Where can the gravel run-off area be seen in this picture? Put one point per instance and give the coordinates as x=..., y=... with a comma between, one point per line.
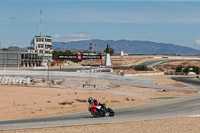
x=18, y=102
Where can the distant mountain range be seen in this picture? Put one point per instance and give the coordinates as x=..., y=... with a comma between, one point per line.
x=15, y=48
x=130, y=47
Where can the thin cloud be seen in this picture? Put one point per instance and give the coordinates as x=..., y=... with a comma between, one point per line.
x=71, y=37
x=197, y=42
x=75, y=40
x=56, y=36
x=195, y=45
x=149, y=34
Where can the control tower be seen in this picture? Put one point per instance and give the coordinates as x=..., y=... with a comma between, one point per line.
x=42, y=45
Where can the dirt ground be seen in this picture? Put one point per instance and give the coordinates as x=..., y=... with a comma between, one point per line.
x=25, y=102
x=18, y=102
x=164, y=80
x=171, y=66
x=185, y=63
x=173, y=125
x=43, y=100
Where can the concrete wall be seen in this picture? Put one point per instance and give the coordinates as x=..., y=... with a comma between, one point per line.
x=10, y=59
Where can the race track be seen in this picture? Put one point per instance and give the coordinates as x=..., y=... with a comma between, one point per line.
x=178, y=107
x=189, y=81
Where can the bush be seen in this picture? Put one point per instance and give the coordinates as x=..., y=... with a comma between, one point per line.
x=195, y=69
x=187, y=69
x=179, y=69
x=142, y=68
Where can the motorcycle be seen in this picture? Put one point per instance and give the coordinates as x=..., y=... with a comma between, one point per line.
x=100, y=110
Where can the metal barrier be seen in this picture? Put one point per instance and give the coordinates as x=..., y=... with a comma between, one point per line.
x=175, y=73
x=15, y=80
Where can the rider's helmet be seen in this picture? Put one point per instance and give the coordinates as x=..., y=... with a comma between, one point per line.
x=90, y=100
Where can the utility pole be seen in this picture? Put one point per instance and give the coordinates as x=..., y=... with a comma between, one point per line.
x=18, y=63
x=48, y=64
x=91, y=50
x=4, y=63
x=65, y=46
x=153, y=51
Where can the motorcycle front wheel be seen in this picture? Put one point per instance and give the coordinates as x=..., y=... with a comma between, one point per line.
x=111, y=112
x=95, y=114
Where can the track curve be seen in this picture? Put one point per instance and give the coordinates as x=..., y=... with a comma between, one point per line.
x=190, y=81
x=178, y=107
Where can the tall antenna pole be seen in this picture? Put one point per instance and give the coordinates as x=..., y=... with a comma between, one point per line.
x=40, y=21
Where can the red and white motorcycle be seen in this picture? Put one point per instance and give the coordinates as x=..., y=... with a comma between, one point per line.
x=100, y=110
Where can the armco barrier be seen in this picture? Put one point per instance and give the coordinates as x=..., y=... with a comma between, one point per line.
x=175, y=73
x=140, y=74
x=97, y=70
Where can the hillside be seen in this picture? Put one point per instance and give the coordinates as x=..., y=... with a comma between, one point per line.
x=131, y=47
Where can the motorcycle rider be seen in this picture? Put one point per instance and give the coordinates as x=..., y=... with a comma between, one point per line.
x=94, y=101
x=101, y=112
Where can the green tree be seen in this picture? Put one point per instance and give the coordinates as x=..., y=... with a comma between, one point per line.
x=4, y=49
x=179, y=68
x=195, y=69
x=142, y=68
x=109, y=50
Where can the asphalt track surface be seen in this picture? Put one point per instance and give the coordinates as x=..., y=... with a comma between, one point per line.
x=153, y=63
x=190, y=81
x=178, y=107
x=157, y=62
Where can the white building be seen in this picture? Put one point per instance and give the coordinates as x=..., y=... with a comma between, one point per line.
x=123, y=54
x=43, y=46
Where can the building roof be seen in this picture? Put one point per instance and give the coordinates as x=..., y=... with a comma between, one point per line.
x=43, y=36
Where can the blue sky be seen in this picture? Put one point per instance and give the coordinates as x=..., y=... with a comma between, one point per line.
x=172, y=21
